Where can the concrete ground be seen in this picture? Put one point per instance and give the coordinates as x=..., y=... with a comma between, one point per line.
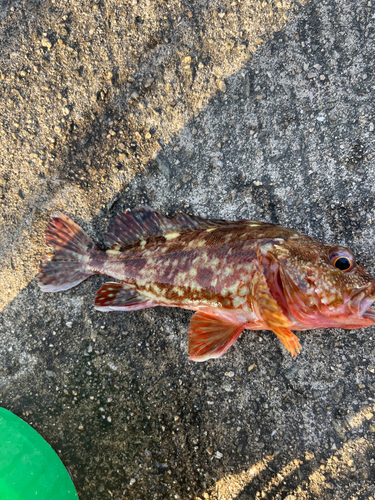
x=229, y=109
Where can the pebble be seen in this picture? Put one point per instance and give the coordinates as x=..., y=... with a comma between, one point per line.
x=46, y=43
x=69, y=324
x=190, y=14
x=66, y=111
x=221, y=86
x=134, y=95
x=371, y=127
x=251, y=367
x=219, y=455
x=229, y=374
x=149, y=82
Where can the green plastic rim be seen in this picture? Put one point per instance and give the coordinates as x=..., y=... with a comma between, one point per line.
x=29, y=468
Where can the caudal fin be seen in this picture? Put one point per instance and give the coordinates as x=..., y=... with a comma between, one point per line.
x=68, y=266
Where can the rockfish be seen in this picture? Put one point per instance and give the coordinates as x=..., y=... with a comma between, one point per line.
x=236, y=275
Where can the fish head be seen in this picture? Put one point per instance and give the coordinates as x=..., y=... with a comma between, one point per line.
x=321, y=285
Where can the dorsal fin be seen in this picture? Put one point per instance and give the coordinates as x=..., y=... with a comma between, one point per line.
x=141, y=222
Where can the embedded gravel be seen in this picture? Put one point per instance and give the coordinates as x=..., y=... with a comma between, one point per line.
x=229, y=109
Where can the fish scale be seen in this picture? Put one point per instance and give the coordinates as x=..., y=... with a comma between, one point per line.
x=236, y=275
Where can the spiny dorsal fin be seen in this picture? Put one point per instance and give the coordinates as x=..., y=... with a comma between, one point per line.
x=141, y=222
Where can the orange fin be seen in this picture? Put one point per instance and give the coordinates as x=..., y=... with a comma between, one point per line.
x=118, y=297
x=290, y=341
x=269, y=310
x=211, y=336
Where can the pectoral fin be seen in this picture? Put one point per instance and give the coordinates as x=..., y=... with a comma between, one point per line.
x=290, y=341
x=211, y=336
x=271, y=313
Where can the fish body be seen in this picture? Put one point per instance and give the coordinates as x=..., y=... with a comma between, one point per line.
x=236, y=275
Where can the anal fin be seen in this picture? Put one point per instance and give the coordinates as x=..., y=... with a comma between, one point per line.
x=118, y=297
x=210, y=336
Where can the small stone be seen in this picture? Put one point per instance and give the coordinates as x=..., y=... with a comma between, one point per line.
x=46, y=43
x=209, y=451
x=69, y=324
x=134, y=95
x=66, y=111
x=258, y=183
x=322, y=78
x=148, y=135
x=311, y=75
x=372, y=428
x=132, y=481
x=251, y=367
x=190, y=14
x=187, y=59
x=149, y=82
x=50, y=374
x=221, y=86
x=194, y=131
x=219, y=455
x=229, y=374
x=81, y=427
x=371, y=127
x=109, y=419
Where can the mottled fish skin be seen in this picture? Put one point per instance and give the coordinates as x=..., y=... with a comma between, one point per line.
x=235, y=274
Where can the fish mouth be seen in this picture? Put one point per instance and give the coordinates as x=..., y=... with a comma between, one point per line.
x=364, y=302
x=370, y=311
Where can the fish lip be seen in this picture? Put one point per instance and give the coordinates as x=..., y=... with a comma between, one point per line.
x=365, y=306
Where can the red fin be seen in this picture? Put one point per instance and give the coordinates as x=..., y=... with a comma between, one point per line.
x=290, y=341
x=68, y=266
x=269, y=310
x=211, y=336
x=141, y=222
x=115, y=296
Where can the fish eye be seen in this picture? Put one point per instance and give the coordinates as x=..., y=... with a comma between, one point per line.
x=342, y=259
x=342, y=263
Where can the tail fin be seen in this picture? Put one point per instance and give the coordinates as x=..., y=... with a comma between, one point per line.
x=69, y=265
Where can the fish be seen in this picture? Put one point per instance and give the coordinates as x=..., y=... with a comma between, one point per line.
x=235, y=275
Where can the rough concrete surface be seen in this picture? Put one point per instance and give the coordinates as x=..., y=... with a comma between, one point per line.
x=229, y=109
